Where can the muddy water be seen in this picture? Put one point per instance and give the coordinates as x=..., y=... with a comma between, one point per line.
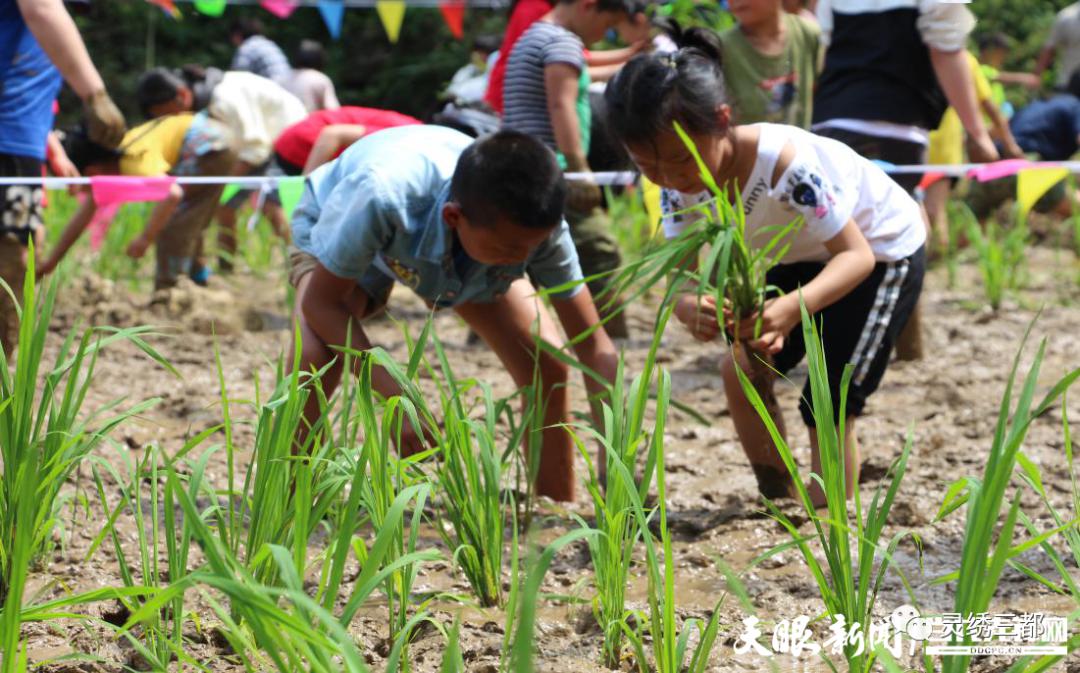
x=948, y=403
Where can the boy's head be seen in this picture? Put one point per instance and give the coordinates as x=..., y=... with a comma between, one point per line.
x=592, y=19
x=483, y=47
x=993, y=48
x=162, y=92
x=89, y=157
x=754, y=12
x=506, y=197
x=242, y=29
x=310, y=55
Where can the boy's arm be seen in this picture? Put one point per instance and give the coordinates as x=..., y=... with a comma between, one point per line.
x=578, y=314
x=163, y=210
x=332, y=139
x=561, y=86
x=1001, y=130
x=71, y=233
x=1025, y=79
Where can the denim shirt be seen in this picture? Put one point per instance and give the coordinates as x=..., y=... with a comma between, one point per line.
x=379, y=206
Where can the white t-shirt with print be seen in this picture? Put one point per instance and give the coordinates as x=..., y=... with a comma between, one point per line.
x=827, y=184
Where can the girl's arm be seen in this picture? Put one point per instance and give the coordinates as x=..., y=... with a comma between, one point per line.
x=332, y=139
x=851, y=261
x=158, y=218
x=71, y=233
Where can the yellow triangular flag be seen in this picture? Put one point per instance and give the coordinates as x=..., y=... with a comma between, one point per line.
x=391, y=13
x=1032, y=183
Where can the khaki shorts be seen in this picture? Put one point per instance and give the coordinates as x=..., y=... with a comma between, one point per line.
x=375, y=285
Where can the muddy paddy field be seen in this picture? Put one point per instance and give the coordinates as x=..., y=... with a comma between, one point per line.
x=948, y=402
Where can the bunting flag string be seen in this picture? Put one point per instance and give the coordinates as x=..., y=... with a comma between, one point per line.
x=210, y=7
x=167, y=6
x=392, y=14
x=290, y=189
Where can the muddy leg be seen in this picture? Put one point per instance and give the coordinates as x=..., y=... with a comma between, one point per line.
x=773, y=478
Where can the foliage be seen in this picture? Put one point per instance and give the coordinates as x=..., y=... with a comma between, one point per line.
x=125, y=38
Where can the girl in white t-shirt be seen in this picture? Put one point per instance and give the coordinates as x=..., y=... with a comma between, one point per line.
x=858, y=257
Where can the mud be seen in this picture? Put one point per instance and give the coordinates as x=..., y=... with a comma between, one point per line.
x=947, y=404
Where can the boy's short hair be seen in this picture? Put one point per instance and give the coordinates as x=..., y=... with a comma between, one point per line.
x=994, y=41
x=246, y=27
x=84, y=152
x=509, y=174
x=311, y=55
x=157, y=86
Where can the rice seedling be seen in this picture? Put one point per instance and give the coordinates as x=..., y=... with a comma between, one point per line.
x=670, y=644
x=1000, y=257
x=520, y=656
x=855, y=572
x=45, y=433
x=474, y=505
x=983, y=560
x=630, y=220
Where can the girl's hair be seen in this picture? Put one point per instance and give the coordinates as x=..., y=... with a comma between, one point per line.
x=654, y=90
x=161, y=85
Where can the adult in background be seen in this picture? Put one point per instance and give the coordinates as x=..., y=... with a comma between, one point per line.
x=1062, y=45
x=39, y=46
x=890, y=72
x=257, y=53
x=308, y=81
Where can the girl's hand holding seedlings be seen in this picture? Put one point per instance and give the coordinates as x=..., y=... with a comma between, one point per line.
x=700, y=316
x=778, y=318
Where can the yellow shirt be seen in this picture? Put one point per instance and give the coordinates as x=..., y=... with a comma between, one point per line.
x=947, y=142
x=153, y=148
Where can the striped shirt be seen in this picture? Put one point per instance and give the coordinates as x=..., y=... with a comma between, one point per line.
x=525, y=97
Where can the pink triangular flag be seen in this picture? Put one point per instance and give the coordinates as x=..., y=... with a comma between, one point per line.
x=279, y=8
x=110, y=189
x=998, y=169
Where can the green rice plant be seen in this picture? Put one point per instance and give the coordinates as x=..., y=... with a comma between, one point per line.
x=1000, y=257
x=624, y=438
x=45, y=433
x=521, y=655
x=161, y=636
x=857, y=556
x=983, y=560
x=670, y=644
x=474, y=507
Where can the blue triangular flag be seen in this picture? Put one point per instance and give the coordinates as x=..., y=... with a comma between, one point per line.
x=333, y=11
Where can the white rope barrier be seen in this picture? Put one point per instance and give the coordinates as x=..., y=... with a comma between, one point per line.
x=600, y=178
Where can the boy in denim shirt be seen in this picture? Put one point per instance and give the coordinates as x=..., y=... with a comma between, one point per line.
x=460, y=223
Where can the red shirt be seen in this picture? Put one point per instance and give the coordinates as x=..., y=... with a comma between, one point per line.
x=525, y=14
x=295, y=143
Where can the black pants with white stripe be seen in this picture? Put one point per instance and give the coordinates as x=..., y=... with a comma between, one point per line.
x=860, y=328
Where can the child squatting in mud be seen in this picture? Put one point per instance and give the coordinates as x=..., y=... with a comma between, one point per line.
x=858, y=257
x=459, y=222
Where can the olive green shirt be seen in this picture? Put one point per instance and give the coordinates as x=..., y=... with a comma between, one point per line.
x=776, y=89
